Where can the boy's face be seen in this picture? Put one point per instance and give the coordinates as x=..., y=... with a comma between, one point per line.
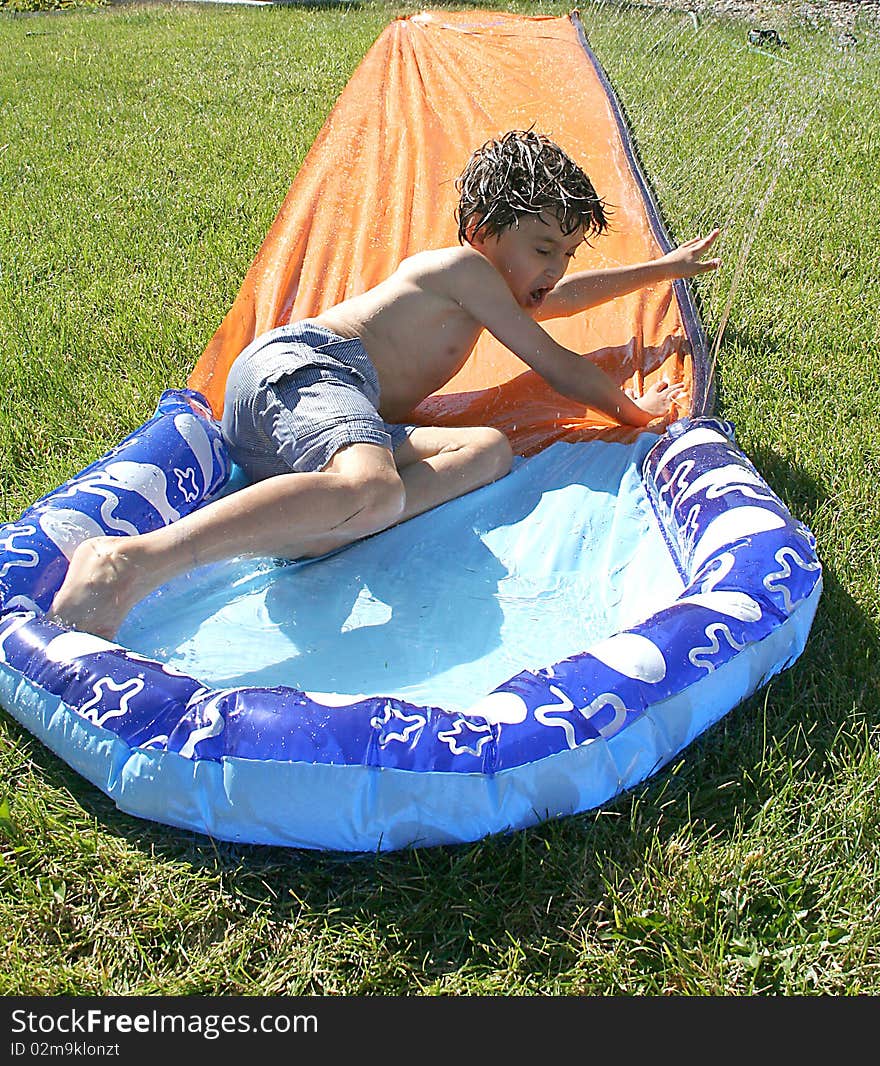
x=531, y=257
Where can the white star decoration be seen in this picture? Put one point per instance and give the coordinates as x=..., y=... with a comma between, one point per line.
x=96, y=709
x=187, y=484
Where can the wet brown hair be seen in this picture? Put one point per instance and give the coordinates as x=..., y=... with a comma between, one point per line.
x=525, y=173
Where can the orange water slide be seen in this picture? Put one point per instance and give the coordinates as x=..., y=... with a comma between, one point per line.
x=379, y=184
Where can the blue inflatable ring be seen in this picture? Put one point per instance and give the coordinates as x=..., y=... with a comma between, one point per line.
x=276, y=766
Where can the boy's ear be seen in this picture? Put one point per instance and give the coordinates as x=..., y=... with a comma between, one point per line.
x=475, y=236
x=472, y=232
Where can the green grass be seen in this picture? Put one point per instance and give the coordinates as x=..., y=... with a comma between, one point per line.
x=33, y=6
x=143, y=154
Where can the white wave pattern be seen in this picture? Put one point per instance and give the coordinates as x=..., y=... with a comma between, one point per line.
x=773, y=582
x=547, y=713
x=719, y=568
x=166, y=668
x=334, y=699
x=199, y=694
x=723, y=480
x=677, y=484
x=27, y=557
x=106, y=488
x=701, y=657
x=220, y=455
x=690, y=527
x=145, y=479
x=67, y=528
x=103, y=706
x=607, y=699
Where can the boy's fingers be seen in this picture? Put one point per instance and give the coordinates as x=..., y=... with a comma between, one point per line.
x=703, y=244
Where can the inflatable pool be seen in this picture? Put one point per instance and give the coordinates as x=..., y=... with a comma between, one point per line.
x=523, y=653
x=280, y=765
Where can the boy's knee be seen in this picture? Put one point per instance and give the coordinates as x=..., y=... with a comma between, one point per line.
x=380, y=498
x=493, y=451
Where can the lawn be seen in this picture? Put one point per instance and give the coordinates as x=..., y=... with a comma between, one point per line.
x=144, y=151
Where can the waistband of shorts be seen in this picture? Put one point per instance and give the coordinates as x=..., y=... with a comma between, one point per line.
x=349, y=351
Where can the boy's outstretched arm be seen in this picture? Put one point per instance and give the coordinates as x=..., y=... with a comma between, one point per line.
x=478, y=287
x=588, y=288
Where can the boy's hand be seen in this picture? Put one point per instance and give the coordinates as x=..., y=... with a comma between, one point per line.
x=659, y=398
x=687, y=261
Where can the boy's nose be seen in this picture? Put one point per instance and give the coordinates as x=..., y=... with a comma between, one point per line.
x=555, y=269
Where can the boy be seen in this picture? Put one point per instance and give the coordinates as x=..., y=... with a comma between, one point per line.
x=313, y=410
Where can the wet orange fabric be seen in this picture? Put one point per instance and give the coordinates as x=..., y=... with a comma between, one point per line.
x=379, y=184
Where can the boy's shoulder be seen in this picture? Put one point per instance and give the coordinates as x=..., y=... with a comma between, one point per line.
x=440, y=258
x=455, y=262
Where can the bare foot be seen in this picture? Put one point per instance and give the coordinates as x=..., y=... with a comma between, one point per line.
x=98, y=591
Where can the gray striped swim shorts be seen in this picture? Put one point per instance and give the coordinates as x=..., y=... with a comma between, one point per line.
x=298, y=394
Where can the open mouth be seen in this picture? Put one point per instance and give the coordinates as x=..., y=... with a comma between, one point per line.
x=536, y=296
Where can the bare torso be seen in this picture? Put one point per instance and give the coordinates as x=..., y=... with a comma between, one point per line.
x=414, y=330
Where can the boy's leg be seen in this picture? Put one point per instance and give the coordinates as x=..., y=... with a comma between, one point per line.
x=439, y=463
x=359, y=492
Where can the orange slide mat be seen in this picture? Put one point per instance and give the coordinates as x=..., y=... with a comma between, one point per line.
x=379, y=184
